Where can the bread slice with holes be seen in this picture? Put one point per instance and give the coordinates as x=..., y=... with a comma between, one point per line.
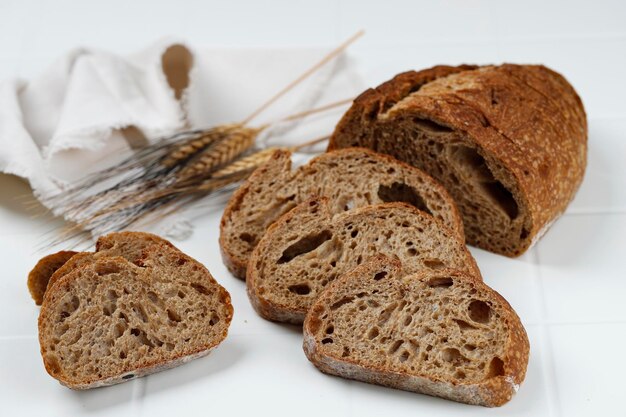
x=509, y=142
x=306, y=249
x=349, y=178
x=110, y=320
x=39, y=276
x=49, y=269
x=439, y=333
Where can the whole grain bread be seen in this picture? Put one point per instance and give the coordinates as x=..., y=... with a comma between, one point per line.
x=349, y=178
x=109, y=320
x=508, y=142
x=439, y=333
x=307, y=248
x=39, y=276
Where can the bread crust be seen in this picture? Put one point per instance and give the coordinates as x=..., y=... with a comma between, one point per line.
x=526, y=118
x=492, y=392
x=279, y=168
x=60, y=287
x=40, y=275
x=288, y=314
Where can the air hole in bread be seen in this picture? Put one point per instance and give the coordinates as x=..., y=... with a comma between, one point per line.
x=430, y=126
x=373, y=333
x=496, y=368
x=453, y=356
x=404, y=356
x=214, y=320
x=463, y=325
x=395, y=346
x=412, y=252
x=129, y=376
x=479, y=311
x=119, y=329
x=440, y=282
x=354, y=233
x=330, y=329
x=434, y=264
x=400, y=192
x=470, y=347
x=300, y=289
x=524, y=234
x=380, y=275
x=173, y=316
x=503, y=198
x=469, y=161
x=327, y=340
x=200, y=288
x=305, y=245
x=343, y=301
x=247, y=237
x=106, y=268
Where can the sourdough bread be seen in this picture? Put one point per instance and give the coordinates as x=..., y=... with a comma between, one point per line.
x=349, y=178
x=508, y=142
x=109, y=320
x=440, y=333
x=306, y=249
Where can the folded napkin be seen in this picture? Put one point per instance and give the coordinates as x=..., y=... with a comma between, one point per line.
x=91, y=108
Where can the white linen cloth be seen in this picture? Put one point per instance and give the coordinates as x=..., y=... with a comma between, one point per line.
x=91, y=107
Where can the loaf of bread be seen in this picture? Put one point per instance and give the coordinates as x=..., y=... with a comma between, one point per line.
x=136, y=306
x=349, y=178
x=440, y=333
x=508, y=142
x=307, y=248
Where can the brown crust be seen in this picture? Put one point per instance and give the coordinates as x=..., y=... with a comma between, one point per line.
x=42, y=272
x=493, y=392
x=279, y=166
x=528, y=118
x=287, y=314
x=148, y=367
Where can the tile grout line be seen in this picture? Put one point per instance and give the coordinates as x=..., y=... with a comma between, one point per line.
x=138, y=394
x=549, y=372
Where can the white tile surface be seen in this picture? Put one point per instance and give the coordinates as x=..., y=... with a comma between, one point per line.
x=568, y=290
x=582, y=269
x=591, y=357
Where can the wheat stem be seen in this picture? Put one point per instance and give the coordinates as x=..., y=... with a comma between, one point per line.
x=304, y=76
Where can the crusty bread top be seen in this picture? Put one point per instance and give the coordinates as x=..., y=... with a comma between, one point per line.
x=525, y=118
x=349, y=178
x=110, y=319
x=128, y=244
x=308, y=248
x=39, y=276
x=437, y=332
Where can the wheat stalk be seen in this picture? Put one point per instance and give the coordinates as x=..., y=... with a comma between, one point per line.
x=161, y=178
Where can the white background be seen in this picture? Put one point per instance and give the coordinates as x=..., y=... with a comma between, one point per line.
x=570, y=290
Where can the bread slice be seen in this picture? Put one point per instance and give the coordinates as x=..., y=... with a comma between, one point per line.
x=110, y=320
x=39, y=276
x=508, y=142
x=306, y=249
x=439, y=333
x=129, y=245
x=349, y=178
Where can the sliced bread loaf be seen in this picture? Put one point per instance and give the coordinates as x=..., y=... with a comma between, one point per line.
x=349, y=178
x=306, y=249
x=109, y=320
x=508, y=142
x=434, y=332
x=39, y=276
